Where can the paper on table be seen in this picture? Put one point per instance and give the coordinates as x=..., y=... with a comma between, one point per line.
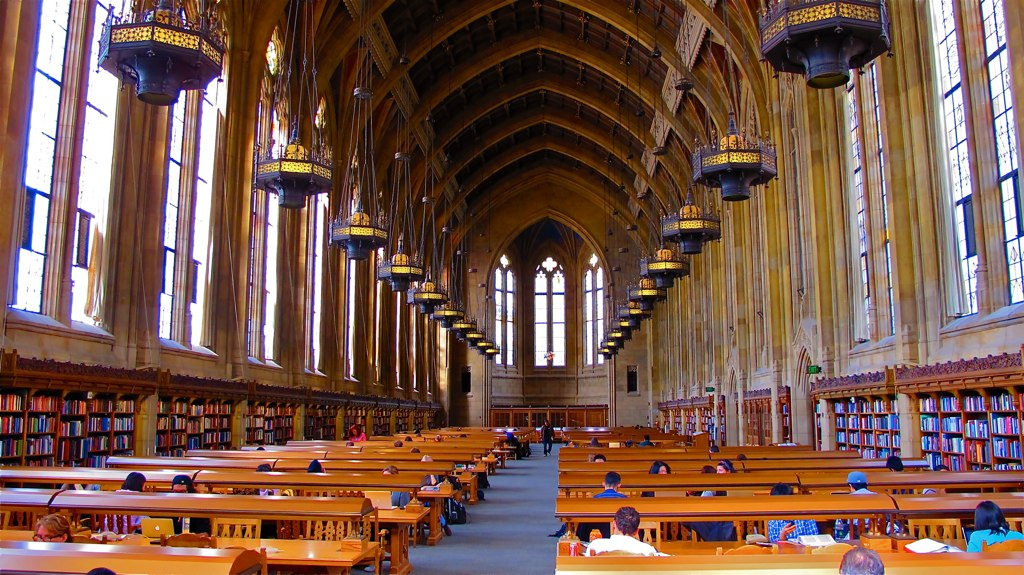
x=816, y=540
x=272, y=549
x=930, y=546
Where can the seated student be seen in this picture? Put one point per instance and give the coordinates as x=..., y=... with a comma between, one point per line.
x=597, y=458
x=315, y=467
x=861, y=561
x=623, y=536
x=989, y=527
x=715, y=530
x=782, y=530
x=657, y=468
x=894, y=463
x=397, y=444
x=52, y=528
x=183, y=484
x=858, y=483
x=612, y=482
x=100, y=571
x=933, y=490
x=134, y=481
x=268, y=527
x=436, y=480
x=646, y=442
x=356, y=433
x=399, y=499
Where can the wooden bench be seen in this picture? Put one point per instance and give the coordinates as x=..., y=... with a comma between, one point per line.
x=107, y=479
x=193, y=463
x=578, y=484
x=892, y=482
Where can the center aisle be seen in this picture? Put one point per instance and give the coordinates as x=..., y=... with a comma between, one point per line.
x=507, y=533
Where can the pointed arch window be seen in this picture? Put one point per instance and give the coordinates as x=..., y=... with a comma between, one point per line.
x=1004, y=130
x=958, y=161
x=504, y=311
x=593, y=311
x=549, y=314
x=860, y=211
x=62, y=123
x=317, y=223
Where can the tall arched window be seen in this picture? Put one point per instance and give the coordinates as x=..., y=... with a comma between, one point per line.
x=263, y=249
x=860, y=211
x=504, y=312
x=317, y=237
x=55, y=120
x=1004, y=129
x=593, y=312
x=958, y=160
x=549, y=315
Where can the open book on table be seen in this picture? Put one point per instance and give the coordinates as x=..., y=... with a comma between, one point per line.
x=931, y=546
x=816, y=540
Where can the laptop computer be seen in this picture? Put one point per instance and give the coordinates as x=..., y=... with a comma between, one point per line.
x=154, y=527
x=380, y=499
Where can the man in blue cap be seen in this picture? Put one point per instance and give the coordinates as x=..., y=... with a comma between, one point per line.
x=858, y=483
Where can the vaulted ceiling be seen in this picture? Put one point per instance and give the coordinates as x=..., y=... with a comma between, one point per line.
x=496, y=91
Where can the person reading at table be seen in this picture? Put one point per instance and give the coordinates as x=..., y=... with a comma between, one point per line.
x=623, y=538
x=657, y=468
x=782, y=530
x=183, y=484
x=858, y=483
x=990, y=527
x=53, y=528
x=715, y=530
x=399, y=499
x=356, y=433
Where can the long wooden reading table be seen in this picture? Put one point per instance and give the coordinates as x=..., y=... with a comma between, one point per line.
x=107, y=479
x=823, y=564
x=580, y=484
x=38, y=557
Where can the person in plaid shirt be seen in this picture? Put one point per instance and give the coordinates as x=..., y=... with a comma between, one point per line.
x=780, y=530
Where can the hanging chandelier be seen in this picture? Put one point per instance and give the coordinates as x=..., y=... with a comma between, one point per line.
x=646, y=293
x=426, y=296
x=296, y=173
x=692, y=227
x=734, y=164
x=492, y=352
x=824, y=39
x=461, y=327
x=400, y=269
x=634, y=311
x=361, y=225
x=162, y=52
x=606, y=351
x=665, y=267
x=452, y=311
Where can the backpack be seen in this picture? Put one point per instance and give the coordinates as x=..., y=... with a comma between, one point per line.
x=455, y=512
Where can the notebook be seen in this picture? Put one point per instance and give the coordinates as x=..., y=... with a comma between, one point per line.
x=380, y=499
x=154, y=527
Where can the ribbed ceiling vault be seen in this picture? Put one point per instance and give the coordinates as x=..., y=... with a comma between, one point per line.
x=498, y=92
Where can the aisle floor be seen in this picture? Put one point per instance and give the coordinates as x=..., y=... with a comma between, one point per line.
x=507, y=533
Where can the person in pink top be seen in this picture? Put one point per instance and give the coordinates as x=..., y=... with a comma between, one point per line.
x=355, y=433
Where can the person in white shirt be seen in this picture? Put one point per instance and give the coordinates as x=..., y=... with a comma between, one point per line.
x=624, y=531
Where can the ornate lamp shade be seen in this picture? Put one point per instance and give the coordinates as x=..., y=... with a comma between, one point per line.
x=427, y=296
x=474, y=337
x=619, y=334
x=734, y=164
x=447, y=314
x=483, y=346
x=691, y=228
x=646, y=293
x=358, y=235
x=634, y=311
x=824, y=39
x=492, y=352
x=400, y=270
x=664, y=267
x=627, y=323
x=461, y=327
x=607, y=352
x=298, y=173
x=162, y=53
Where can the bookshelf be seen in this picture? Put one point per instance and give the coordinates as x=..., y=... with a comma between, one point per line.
x=972, y=429
x=171, y=426
x=13, y=428
x=216, y=424
x=109, y=429
x=270, y=423
x=868, y=424
x=757, y=411
x=696, y=415
x=321, y=422
x=1007, y=413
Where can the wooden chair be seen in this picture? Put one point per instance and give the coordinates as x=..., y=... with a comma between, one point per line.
x=236, y=528
x=1016, y=523
x=3, y=519
x=750, y=550
x=936, y=529
x=650, y=532
x=188, y=540
x=1003, y=546
x=264, y=564
x=833, y=549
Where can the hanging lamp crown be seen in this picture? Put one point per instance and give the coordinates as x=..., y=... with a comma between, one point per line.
x=735, y=163
x=692, y=227
x=664, y=267
x=824, y=39
x=161, y=52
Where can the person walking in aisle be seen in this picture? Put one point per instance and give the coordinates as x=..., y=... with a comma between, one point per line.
x=547, y=436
